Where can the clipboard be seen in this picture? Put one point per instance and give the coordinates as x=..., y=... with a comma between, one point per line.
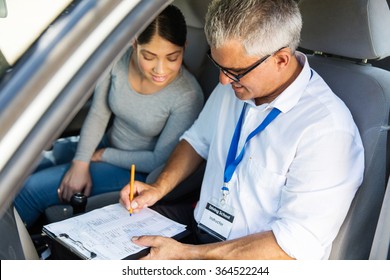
x=106, y=233
x=69, y=253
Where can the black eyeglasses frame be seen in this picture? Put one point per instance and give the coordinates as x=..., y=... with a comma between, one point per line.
x=237, y=77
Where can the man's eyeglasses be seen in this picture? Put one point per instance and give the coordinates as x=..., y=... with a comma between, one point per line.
x=236, y=77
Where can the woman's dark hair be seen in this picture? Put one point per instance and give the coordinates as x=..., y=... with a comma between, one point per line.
x=169, y=24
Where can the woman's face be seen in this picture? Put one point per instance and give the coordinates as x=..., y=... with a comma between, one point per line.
x=159, y=61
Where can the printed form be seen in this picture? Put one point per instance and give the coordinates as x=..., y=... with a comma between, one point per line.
x=105, y=233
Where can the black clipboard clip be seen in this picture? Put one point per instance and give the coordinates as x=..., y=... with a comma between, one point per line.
x=79, y=244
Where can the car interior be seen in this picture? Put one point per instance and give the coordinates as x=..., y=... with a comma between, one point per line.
x=348, y=43
x=355, y=32
x=196, y=60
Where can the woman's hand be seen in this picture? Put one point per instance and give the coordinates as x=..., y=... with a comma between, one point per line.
x=77, y=179
x=98, y=155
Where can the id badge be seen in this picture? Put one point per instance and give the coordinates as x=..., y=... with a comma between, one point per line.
x=217, y=219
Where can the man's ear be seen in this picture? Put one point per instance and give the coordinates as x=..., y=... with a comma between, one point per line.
x=283, y=57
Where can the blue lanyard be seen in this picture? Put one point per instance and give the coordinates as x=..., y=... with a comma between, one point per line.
x=231, y=161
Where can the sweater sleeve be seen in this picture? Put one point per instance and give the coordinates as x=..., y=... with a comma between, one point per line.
x=185, y=110
x=95, y=123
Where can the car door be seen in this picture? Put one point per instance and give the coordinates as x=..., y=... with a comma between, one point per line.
x=46, y=85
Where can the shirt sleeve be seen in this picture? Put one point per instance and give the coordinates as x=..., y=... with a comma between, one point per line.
x=200, y=135
x=321, y=183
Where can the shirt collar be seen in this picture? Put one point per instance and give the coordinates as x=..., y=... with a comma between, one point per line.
x=291, y=95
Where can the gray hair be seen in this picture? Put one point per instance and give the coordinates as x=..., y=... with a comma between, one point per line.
x=263, y=26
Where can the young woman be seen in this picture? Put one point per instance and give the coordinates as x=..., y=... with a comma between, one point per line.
x=150, y=97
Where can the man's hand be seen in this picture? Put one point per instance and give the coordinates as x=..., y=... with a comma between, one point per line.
x=144, y=196
x=163, y=248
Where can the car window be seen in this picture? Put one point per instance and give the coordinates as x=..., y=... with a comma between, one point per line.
x=22, y=23
x=3, y=9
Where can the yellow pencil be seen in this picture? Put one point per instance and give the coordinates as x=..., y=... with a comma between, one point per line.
x=131, y=184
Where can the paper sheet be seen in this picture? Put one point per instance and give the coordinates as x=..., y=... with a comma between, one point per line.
x=107, y=232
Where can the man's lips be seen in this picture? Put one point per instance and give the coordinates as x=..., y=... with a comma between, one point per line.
x=236, y=86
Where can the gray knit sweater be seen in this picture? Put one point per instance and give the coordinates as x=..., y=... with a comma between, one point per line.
x=145, y=128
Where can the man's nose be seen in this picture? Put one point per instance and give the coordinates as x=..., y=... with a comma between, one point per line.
x=223, y=79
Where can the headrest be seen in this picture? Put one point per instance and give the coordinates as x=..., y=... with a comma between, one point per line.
x=194, y=11
x=350, y=28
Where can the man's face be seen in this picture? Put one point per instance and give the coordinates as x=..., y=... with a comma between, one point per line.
x=259, y=84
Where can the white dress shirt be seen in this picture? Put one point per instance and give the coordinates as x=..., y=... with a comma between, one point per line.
x=297, y=177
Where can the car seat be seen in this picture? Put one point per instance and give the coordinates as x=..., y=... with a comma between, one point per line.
x=195, y=59
x=343, y=35
x=380, y=249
